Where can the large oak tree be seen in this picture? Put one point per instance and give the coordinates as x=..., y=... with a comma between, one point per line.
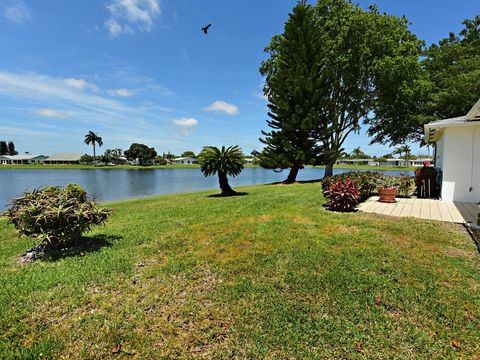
x=448, y=86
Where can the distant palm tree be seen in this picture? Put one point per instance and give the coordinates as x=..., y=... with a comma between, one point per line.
x=224, y=162
x=92, y=138
x=118, y=154
x=357, y=153
x=398, y=151
x=407, y=150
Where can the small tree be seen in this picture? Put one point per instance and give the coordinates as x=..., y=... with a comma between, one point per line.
x=92, y=138
x=11, y=149
x=3, y=148
x=189, y=154
x=224, y=162
x=140, y=152
x=86, y=159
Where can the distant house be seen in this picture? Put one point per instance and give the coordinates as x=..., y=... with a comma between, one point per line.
x=64, y=159
x=184, y=161
x=249, y=160
x=22, y=159
x=122, y=160
x=370, y=162
x=457, y=154
x=146, y=162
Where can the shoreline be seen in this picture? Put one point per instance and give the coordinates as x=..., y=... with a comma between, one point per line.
x=169, y=167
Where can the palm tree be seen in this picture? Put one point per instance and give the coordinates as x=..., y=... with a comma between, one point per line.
x=357, y=153
x=407, y=150
x=224, y=162
x=398, y=151
x=118, y=154
x=92, y=138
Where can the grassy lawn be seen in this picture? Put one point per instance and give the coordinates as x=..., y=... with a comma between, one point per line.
x=267, y=275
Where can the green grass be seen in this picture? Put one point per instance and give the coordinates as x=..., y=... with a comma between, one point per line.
x=267, y=275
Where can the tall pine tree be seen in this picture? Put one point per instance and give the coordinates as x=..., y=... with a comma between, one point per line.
x=294, y=89
x=3, y=148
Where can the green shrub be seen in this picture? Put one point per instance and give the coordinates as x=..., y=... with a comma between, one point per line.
x=368, y=182
x=55, y=216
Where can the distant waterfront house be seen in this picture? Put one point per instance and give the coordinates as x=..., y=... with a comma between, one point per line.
x=249, y=160
x=145, y=162
x=370, y=162
x=184, y=161
x=385, y=162
x=457, y=154
x=22, y=159
x=64, y=159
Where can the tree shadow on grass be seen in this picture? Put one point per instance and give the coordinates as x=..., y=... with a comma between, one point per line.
x=297, y=182
x=227, y=196
x=88, y=244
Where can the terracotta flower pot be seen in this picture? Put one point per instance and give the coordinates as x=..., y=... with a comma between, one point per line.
x=387, y=195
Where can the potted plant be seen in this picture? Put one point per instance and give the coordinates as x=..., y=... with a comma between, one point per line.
x=388, y=189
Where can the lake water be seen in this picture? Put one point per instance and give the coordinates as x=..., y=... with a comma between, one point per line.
x=117, y=184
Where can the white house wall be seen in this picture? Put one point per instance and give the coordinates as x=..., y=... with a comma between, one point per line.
x=457, y=152
x=476, y=165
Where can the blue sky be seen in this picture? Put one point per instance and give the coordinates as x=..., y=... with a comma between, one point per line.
x=142, y=71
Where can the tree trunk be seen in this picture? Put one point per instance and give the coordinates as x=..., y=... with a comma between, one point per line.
x=292, y=175
x=329, y=169
x=224, y=185
x=94, y=157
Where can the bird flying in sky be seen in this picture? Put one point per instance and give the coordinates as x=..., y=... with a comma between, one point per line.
x=205, y=29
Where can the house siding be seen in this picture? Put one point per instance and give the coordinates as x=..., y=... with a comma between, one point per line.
x=458, y=155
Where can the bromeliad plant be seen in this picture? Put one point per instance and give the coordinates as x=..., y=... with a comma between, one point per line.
x=342, y=195
x=55, y=216
x=224, y=162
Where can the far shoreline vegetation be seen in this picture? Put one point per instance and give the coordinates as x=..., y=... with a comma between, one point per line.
x=195, y=166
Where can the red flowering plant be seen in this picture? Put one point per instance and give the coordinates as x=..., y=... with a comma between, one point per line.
x=342, y=195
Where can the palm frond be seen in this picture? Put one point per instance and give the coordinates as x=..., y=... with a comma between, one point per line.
x=228, y=161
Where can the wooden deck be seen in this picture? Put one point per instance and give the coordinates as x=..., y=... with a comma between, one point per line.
x=430, y=209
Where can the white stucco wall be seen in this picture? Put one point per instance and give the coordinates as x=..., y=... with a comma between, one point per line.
x=458, y=155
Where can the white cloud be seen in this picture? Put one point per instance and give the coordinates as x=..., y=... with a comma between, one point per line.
x=51, y=113
x=128, y=16
x=186, y=122
x=47, y=96
x=49, y=93
x=121, y=92
x=222, y=106
x=17, y=12
x=80, y=84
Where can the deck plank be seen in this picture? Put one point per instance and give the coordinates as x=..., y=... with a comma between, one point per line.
x=416, y=207
x=444, y=212
x=398, y=209
x=424, y=209
x=434, y=210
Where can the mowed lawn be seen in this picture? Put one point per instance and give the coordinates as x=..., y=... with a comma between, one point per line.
x=268, y=275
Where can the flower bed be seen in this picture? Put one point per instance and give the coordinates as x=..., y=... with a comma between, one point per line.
x=367, y=184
